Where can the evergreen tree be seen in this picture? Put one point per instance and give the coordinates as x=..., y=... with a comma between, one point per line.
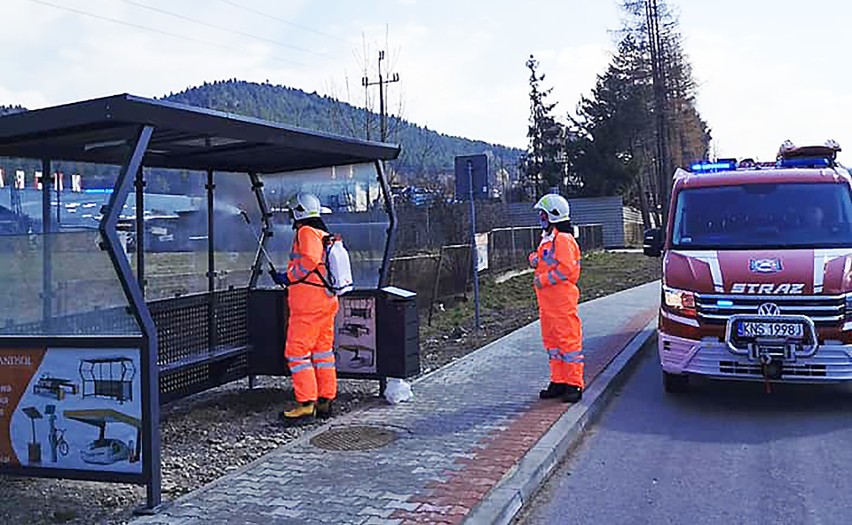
x=609, y=144
x=545, y=165
x=681, y=135
x=640, y=120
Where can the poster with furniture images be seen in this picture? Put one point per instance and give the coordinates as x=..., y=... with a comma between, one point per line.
x=71, y=409
x=355, y=335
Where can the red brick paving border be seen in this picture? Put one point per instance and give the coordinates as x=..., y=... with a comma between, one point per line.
x=448, y=502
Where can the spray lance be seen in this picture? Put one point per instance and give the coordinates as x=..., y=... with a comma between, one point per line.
x=259, y=243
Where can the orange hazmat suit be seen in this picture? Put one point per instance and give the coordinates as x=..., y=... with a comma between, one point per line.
x=557, y=269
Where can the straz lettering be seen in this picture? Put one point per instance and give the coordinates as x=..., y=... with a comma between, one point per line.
x=15, y=360
x=768, y=289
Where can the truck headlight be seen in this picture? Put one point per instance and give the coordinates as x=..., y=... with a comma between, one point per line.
x=682, y=301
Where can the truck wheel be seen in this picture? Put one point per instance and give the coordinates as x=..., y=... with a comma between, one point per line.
x=675, y=383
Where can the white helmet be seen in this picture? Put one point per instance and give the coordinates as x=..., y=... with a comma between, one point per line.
x=307, y=205
x=555, y=206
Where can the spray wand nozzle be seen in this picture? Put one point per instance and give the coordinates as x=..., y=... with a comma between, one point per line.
x=259, y=242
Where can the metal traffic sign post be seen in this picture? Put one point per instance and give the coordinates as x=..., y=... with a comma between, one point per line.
x=474, y=260
x=472, y=183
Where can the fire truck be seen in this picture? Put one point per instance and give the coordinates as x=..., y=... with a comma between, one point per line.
x=757, y=270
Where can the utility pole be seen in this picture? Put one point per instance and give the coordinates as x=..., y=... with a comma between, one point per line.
x=658, y=63
x=367, y=114
x=382, y=83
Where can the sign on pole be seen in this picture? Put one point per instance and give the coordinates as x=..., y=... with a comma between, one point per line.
x=472, y=184
x=471, y=170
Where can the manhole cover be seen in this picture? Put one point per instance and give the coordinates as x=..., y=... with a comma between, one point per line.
x=353, y=438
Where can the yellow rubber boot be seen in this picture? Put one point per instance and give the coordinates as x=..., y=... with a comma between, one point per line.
x=303, y=413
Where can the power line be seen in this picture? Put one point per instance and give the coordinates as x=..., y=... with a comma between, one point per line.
x=289, y=23
x=154, y=30
x=229, y=30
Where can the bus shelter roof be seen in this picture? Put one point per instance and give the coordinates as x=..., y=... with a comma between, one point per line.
x=184, y=137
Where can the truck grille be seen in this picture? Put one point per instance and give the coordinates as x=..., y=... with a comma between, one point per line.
x=823, y=310
x=796, y=370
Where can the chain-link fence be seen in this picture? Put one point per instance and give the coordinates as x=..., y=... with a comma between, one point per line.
x=508, y=248
x=438, y=275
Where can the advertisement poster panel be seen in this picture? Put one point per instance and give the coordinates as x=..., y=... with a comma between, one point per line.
x=71, y=409
x=355, y=335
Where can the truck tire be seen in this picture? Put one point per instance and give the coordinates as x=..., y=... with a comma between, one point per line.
x=675, y=383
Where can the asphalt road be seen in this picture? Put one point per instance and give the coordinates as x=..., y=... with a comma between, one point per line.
x=723, y=453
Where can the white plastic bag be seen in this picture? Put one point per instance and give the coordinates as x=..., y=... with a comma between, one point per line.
x=397, y=391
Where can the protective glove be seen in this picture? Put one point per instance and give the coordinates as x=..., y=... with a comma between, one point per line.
x=279, y=278
x=533, y=260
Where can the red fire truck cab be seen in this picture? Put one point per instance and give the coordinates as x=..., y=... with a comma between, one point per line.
x=757, y=270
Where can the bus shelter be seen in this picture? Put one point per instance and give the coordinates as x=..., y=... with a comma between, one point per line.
x=135, y=236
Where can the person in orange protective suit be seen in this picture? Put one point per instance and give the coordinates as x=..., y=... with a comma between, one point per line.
x=310, y=329
x=557, y=269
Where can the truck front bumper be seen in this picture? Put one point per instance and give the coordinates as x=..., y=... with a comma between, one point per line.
x=712, y=358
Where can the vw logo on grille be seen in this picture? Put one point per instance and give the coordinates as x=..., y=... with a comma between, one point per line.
x=768, y=309
x=765, y=265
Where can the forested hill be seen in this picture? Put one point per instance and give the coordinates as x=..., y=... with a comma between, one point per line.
x=424, y=152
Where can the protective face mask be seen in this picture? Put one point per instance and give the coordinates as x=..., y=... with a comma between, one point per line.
x=544, y=223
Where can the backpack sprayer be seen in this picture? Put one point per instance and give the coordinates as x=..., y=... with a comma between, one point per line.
x=336, y=257
x=259, y=243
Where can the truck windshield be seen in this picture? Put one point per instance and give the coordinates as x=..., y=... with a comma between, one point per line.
x=760, y=216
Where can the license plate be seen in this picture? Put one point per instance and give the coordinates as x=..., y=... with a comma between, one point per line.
x=770, y=329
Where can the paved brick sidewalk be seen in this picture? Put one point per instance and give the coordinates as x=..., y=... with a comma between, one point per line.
x=467, y=426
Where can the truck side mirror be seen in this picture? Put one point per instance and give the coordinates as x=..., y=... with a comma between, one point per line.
x=653, y=242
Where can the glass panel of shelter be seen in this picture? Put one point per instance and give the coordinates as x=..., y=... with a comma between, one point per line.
x=175, y=242
x=84, y=296
x=85, y=292
x=358, y=213
x=237, y=227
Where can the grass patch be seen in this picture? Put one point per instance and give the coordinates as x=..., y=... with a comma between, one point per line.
x=509, y=305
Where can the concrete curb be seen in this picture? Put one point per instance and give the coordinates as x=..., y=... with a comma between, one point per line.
x=505, y=500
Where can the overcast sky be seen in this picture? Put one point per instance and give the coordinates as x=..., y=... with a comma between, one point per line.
x=764, y=75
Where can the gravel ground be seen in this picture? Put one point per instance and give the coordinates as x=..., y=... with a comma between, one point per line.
x=221, y=430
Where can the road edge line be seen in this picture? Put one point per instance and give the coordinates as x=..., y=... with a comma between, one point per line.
x=507, y=498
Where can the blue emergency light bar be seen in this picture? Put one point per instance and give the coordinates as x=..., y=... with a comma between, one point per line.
x=710, y=167
x=805, y=162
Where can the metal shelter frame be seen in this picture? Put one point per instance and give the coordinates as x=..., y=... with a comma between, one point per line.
x=134, y=132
